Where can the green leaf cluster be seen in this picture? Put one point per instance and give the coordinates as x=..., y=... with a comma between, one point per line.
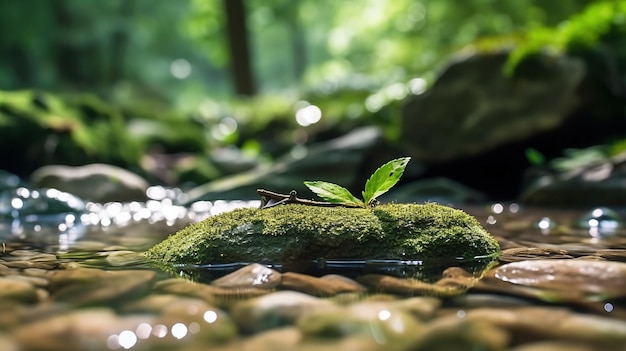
x=383, y=179
x=586, y=29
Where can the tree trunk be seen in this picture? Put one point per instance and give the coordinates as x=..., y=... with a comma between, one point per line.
x=240, y=58
x=298, y=40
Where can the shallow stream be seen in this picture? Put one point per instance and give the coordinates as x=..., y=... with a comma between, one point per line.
x=77, y=282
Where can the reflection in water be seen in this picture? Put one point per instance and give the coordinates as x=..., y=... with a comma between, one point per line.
x=600, y=221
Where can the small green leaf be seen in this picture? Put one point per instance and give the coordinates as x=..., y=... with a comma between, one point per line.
x=333, y=193
x=384, y=179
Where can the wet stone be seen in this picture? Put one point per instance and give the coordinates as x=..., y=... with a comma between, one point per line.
x=93, y=286
x=35, y=272
x=211, y=294
x=30, y=264
x=7, y=343
x=454, y=282
x=529, y=324
x=79, y=330
x=278, y=309
x=35, y=281
x=454, y=334
x=559, y=280
x=381, y=325
x=206, y=324
x=17, y=290
x=555, y=346
x=286, y=338
x=487, y=300
x=328, y=285
x=531, y=253
x=252, y=276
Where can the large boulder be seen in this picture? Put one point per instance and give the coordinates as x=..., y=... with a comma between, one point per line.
x=95, y=182
x=588, y=177
x=297, y=233
x=473, y=107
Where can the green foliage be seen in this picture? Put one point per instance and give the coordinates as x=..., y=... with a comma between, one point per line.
x=383, y=179
x=598, y=20
x=535, y=157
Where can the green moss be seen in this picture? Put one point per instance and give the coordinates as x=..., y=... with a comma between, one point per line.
x=294, y=233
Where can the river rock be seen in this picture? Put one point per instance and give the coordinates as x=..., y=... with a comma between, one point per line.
x=385, y=325
x=203, y=324
x=409, y=286
x=454, y=334
x=559, y=279
x=276, y=310
x=94, y=182
x=587, y=178
x=297, y=233
x=252, y=276
x=87, y=329
x=211, y=294
x=555, y=346
x=327, y=285
x=90, y=286
x=528, y=324
x=17, y=290
x=473, y=107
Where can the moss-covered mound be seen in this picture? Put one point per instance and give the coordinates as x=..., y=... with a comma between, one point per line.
x=295, y=233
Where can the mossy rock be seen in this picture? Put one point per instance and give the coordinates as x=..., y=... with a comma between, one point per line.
x=298, y=233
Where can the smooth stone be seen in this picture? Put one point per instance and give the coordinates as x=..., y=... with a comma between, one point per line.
x=559, y=280
x=297, y=233
x=206, y=324
x=450, y=285
x=423, y=308
x=385, y=325
x=153, y=303
x=327, y=285
x=291, y=339
x=349, y=343
x=36, y=272
x=29, y=264
x=461, y=112
x=555, y=346
x=124, y=258
x=591, y=178
x=278, y=339
x=17, y=290
x=278, y=309
x=454, y=334
x=532, y=253
x=35, y=281
x=251, y=276
x=79, y=330
x=540, y=323
x=213, y=295
x=350, y=298
x=487, y=300
x=8, y=344
x=90, y=286
x=94, y=182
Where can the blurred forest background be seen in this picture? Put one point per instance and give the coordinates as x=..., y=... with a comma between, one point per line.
x=115, y=80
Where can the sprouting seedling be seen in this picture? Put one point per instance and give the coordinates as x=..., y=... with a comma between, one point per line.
x=383, y=179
